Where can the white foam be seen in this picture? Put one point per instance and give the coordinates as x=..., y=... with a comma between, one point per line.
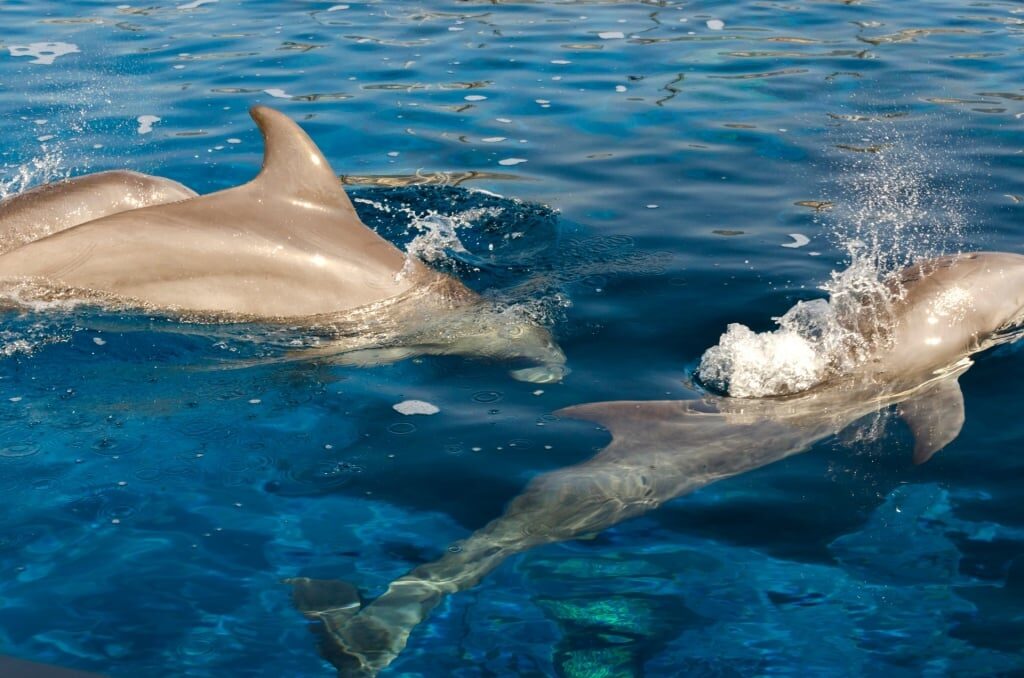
x=438, y=233
x=412, y=407
x=196, y=3
x=44, y=52
x=146, y=123
x=793, y=358
x=799, y=240
x=509, y=162
x=715, y=24
x=611, y=35
x=277, y=93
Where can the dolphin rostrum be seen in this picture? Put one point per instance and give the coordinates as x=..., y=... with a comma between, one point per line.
x=941, y=311
x=288, y=246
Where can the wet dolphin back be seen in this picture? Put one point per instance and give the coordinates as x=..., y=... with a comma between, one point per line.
x=286, y=244
x=55, y=207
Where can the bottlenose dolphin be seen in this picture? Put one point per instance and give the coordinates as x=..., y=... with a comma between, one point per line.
x=939, y=313
x=51, y=208
x=286, y=247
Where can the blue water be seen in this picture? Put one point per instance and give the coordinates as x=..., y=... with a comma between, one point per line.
x=155, y=497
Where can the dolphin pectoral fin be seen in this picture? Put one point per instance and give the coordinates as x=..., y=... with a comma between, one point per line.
x=935, y=417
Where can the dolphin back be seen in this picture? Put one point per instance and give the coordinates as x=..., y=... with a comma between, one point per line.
x=286, y=244
x=52, y=208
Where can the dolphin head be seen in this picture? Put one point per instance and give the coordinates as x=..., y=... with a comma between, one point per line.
x=954, y=306
x=999, y=305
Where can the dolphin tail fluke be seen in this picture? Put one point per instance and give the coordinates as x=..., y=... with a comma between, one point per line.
x=362, y=640
x=935, y=417
x=331, y=604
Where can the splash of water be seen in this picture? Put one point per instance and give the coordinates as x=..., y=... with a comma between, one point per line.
x=436, y=240
x=46, y=167
x=898, y=206
x=437, y=233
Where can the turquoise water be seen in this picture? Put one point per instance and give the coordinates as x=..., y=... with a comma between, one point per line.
x=644, y=171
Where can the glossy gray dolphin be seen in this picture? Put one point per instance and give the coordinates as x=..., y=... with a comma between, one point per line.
x=288, y=246
x=55, y=207
x=940, y=312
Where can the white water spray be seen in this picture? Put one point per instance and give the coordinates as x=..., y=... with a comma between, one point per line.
x=894, y=210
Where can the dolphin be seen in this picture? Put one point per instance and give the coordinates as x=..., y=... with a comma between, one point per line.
x=286, y=247
x=50, y=208
x=939, y=313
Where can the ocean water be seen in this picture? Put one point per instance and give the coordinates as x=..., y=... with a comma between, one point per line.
x=638, y=176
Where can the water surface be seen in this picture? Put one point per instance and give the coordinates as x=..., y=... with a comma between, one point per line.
x=650, y=162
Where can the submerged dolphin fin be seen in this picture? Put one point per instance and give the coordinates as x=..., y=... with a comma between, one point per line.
x=293, y=165
x=643, y=419
x=935, y=417
x=677, y=427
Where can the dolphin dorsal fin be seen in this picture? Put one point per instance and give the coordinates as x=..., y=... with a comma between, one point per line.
x=935, y=417
x=293, y=165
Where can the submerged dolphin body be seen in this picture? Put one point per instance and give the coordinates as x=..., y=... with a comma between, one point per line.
x=288, y=246
x=942, y=311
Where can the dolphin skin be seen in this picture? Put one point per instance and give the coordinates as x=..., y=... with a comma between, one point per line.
x=55, y=207
x=938, y=313
x=286, y=247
